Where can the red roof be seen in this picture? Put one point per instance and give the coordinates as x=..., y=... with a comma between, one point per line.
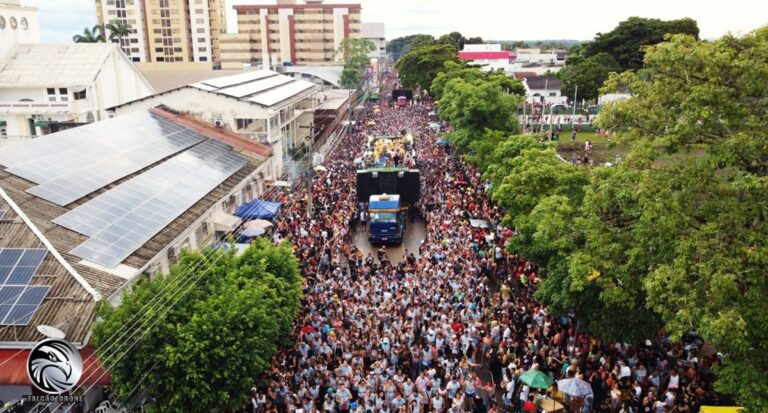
x=14, y=371
x=484, y=55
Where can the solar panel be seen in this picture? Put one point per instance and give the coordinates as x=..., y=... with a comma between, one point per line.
x=124, y=218
x=71, y=166
x=282, y=93
x=18, y=299
x=255, y=87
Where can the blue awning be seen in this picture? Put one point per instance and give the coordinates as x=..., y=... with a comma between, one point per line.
x=257, y=209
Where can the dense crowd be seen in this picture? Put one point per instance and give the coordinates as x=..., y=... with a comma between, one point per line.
x=451, y=327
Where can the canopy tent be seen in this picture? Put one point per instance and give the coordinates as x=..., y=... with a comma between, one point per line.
x=478, y=223
x=280, y=183
x=257, y=223
x=224, y=222
x=319, y=168
x=434, y=126
x=442, y=142
x=257, y=209
x=252, y=232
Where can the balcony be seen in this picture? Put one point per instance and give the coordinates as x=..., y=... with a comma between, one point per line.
x=35, y=108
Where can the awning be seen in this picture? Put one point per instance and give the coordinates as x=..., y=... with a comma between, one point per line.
x=14, y=371
x=225, y=222
x=42, y=123
x=257, y=208
x=3, y=123
x=720, y=409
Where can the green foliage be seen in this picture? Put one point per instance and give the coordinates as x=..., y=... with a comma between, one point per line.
x=709, y=216
x=479, y=105
x=118, y=29
x=626, y=42
x=457, y=40
x=399, y=46
x=91, y=35
x=421, y=64
x=589, y=74
x=208, y=343
x=355, y=52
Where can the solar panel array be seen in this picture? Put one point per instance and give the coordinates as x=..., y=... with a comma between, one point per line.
x=73, y=163
x=18, y=299
x=124, y=218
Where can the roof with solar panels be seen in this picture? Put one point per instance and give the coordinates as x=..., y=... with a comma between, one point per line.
x=82, y=207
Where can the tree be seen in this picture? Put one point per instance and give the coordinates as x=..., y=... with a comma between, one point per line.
x=708, y=216
x=214, y=329
x=589, y=75
x=90, y=35
x=422, y=63
x=355, y=52
x=117, y=30
x=626, y=42
x=455, y=39
x=400, y=45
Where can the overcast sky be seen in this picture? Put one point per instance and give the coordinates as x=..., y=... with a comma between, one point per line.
x=490, y=19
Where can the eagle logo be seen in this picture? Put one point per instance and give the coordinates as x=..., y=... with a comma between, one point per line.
x=54, y=366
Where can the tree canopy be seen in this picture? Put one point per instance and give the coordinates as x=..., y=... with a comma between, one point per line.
x=91, y=35
x=355, y=52
x=420, y=65
x=589, y=75
x=400, y=45
x=216, y=320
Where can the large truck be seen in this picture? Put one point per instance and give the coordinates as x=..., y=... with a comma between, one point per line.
x=388, y=187
x=387, y=219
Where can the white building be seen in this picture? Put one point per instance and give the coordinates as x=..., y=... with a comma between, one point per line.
x=552, y=56
x=543, y=89
x=18, y=24
x=374, y=32
x=48, y=87
x=261, y=105
x=490, y=56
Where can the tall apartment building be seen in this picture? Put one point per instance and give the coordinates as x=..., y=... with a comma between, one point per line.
x=306, y=33
x=168, y=30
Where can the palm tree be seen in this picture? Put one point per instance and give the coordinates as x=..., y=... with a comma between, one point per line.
x=94, y=35
x=118, y=29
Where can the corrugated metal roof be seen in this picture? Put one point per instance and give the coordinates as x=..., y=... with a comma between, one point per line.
x=257, y=86
x=226, y=81
x=49, y=65
x=277, y=95
x=263, y=87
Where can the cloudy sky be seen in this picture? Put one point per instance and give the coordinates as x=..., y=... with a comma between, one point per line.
x=491, y=19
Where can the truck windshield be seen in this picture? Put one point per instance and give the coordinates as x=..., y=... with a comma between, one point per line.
x=383, y=217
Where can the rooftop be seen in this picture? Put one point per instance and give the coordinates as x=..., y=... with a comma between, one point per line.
x=45, y=65
x=329, y=74
x=262, y=87
x=542, y=82
x=158, y=172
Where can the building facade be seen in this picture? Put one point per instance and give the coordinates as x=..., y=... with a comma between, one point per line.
x=291, y=33
x=489, y=56
x=18, y=24
x=50, y=87
x=168, y=30
x=374, y=32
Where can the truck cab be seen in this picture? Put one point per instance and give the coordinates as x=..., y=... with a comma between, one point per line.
x=402, y=101
x=387, y=219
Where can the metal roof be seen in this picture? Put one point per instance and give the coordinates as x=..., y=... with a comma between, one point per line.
x=49, y=65
x=263, y=87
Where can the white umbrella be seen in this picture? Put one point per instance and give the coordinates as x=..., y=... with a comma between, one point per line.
x=253, y=232
x=320, y=168
x=258, y=223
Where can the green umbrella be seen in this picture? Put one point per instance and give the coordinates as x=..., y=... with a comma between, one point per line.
x=536, y=379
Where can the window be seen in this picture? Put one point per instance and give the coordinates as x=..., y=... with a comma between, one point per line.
x=122, y=14
x=201, y=39
x=552, y=93
x=51, y=91
x=201, y=30
x=203, y=59
x=79, y=95
x=201, y=49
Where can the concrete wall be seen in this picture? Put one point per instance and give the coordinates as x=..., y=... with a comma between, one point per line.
x=10, y=37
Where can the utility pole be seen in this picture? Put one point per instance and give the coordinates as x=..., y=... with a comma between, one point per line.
x=575, y=96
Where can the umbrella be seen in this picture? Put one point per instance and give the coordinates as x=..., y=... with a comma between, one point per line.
x=443, y=142
x=320, y=168
x=252, y=232
x=371, y=123
x=575, y=387
x=258, y=223
x=536, y=379
x=432, y=113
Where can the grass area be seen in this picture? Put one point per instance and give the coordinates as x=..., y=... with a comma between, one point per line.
x=604, y=151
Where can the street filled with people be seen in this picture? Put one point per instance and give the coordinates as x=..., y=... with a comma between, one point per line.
x=454, y=326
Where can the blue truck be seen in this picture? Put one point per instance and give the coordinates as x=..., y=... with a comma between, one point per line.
x=387, y=219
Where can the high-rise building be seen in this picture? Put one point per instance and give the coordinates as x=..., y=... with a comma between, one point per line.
x=374, y=33
x=306, y=33
x=168, y=30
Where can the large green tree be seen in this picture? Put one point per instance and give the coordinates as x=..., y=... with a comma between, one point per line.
x=207, y=331
x=355, y=55
x=400, y=45
x=588, y=75
x=626, y=42
x=421, y=64
x=714, y=212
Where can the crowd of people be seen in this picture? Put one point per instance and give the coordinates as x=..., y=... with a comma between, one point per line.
x=453, y=326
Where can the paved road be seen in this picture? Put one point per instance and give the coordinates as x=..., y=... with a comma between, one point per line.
x=414, y=234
